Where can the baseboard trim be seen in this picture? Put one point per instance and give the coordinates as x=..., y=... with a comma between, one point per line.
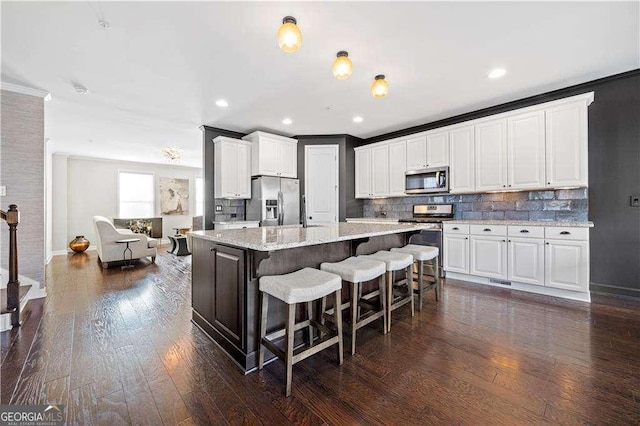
x=614, y=290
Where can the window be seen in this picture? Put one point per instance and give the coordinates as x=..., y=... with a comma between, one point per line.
x=136, y=194
x=199, y=196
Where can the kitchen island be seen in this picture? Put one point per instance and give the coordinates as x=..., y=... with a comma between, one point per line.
x=226, y=266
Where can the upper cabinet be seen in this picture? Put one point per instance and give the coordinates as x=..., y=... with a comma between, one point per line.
x=539, y=147
x=438, y=149
x=397, y=159
x=232, y=168
x=491, y=155
x=566, y=145
x=526, y=151
x=273, y=155
x=429, y=150
x=462, y=171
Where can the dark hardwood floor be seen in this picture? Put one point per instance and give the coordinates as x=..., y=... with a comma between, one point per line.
x=118, y=347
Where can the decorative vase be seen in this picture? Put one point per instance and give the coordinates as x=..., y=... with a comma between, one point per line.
x=79, y=244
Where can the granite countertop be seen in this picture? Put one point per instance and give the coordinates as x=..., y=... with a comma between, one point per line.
x=372, y=219
x=270, y=238
x=226, y=222
x=521, y=223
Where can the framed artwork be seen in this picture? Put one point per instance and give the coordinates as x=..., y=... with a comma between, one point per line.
x=174, y=196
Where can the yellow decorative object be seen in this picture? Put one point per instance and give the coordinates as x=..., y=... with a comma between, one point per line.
x=79, y=244
x=380, y=87
x=342, y=66
x=289, y=35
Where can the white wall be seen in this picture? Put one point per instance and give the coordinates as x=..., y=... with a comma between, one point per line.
x=91, y=189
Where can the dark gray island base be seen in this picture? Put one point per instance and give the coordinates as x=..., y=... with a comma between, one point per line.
x=227, y=265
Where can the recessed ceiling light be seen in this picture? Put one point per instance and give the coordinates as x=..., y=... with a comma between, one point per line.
x=287, y=121
x=104, y=25
x=222, y=103
x=497, y=73
x=358, y=119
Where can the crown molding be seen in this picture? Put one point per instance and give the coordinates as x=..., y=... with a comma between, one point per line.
x=10, y=87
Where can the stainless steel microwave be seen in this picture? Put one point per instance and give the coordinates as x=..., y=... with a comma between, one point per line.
x=433, y=180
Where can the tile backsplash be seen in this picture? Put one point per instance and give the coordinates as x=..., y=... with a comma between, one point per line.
x=563, y=205
x=229, y=207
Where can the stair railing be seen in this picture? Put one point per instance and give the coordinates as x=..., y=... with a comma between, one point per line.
x=12, y=217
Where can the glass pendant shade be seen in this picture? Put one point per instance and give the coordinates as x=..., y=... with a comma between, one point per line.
x=379, y=87
x=342, y=66
x=289, y=35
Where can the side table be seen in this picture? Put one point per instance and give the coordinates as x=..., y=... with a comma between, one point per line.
x=179, y=245
x=127, y=264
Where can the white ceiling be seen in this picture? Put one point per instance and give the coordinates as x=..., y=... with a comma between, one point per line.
x=155, y=76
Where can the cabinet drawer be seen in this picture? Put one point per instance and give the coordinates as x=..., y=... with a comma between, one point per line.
x=495, y=230
x=566, y=233
x=456, y=229
x=526, y=231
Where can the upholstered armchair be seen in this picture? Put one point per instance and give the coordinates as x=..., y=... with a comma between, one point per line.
x=111, y=251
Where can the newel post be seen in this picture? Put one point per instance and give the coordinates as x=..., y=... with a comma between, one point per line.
x=12, y=216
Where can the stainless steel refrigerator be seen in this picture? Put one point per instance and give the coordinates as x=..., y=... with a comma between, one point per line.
x=275, y=201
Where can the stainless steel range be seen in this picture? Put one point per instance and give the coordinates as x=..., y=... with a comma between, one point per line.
x=431, y=216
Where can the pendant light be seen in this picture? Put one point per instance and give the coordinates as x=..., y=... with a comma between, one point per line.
x=289, y=35
x=379, y=87
x=342, y=66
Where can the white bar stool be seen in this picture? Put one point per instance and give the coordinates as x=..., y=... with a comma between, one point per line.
x=395, y=261
x=305, y=285
x=422, y=254
x=357, y=270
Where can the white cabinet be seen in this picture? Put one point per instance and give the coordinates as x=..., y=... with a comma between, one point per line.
x=566, y=145
x=456, y=253
x=462, y=170
x=426, y=151
x=397, y=164
x=491, y=155
x=567, y=264
x=438, y=149
x=416, y=153
x=526, y=260
x=526, y=151
x=488, y=256
x=380, y=171
x=232, y=168
x=273, y=155
x=363, y=173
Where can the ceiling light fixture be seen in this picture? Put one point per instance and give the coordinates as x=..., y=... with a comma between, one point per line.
x=80, y=89
x=342, y=66
x=497, y=73
x=222, y=103
x=172, y=154
x=104, y=25
x=287, y=121
x=358, y=119
x=289, y=35
x=379, y=87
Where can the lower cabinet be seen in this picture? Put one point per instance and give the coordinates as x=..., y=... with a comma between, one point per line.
x=567, y=264
x=456, y=253
x=488, y=256
x=218, y=288
x=555, y=257
x=526, y=260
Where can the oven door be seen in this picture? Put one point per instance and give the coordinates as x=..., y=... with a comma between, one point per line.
x=427, y=181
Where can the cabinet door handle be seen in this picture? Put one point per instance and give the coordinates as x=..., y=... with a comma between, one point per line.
x=509, y=240
x=504, y=186
x=509, y=186
x=547, y=243
x=486, y=230
x=548, y=183
x=455, y=229
x=565, y=233
x=213, y=249
x=504, y=241
x=524, y=231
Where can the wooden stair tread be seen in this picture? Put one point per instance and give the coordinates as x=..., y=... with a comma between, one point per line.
x=22, y=292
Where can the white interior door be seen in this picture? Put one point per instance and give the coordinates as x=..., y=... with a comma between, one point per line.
x=321, y=183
